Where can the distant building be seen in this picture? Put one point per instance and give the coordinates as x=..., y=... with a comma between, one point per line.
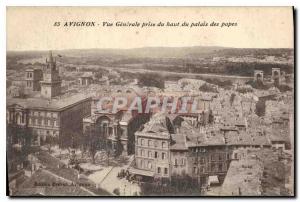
x=276, y=76
x=86, y=79
x=15, y=91
x=258, y=75
x=33, y=77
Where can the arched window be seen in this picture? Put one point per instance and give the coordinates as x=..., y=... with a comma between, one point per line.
x=18, y=118
x=105, y=128
x=23, y=118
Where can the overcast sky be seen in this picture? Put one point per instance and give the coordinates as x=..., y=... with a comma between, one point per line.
x=31, y=28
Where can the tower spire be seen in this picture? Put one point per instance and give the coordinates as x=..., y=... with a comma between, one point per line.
x=50, y=56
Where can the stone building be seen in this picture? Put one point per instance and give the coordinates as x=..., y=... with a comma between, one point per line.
x=276, y=76
x=60, y=118
x=258, y=75
x=15, y=91
x=33, y=76
x=207, y=156
x=163, y=152
x=152, y=148
x=118, y=127
x=86, y=79
x=179, y=155
x=51, y=83
x=170, y=146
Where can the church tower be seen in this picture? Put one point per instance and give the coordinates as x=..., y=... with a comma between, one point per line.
x=51, y=84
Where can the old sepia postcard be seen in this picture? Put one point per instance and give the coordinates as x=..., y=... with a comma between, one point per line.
x=150, y=101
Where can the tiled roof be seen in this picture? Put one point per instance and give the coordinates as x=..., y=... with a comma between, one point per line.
x=212, y=138
x=87, y=74
x=41, y=103
x=245, y=138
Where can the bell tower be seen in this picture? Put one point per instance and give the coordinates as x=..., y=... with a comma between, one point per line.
x=51, y=84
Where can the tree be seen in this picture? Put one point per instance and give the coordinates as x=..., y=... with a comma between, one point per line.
x=49, y=142
x=119, y=146
x=257, y=84
x=284, y=88
x=260, y=107
x=244, y=89
x=21, y=137
x=151, y=80
x=98, y=75
x=117, y=191
x=208, y=88
x=210, y=117
x=232, y=98
x=92, y=142
x=224, y=84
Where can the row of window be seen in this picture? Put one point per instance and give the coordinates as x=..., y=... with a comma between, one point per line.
x=151, y=143
x=29, y=83
x=213, y=157
x=213, y=168
x=179, y=162
x=159, y=170
x=18, y=117
x=200, y=160
x=45, y=133
x=43, y=114
x=151, y=154
x=145, y=164
x=29, y=75
x=219, y=157
x=200, y=150
x=42, y=122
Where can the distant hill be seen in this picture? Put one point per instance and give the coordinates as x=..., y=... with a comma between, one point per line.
x=156, y=52
x=196, y=59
